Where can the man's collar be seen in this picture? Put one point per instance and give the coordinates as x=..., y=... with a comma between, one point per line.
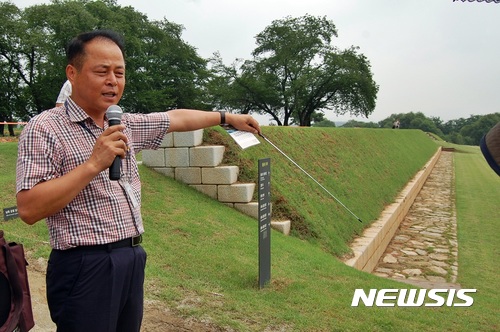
x=75, y=112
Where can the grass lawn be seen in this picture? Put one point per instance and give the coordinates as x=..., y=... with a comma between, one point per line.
x=203, y=255
x=478, y=213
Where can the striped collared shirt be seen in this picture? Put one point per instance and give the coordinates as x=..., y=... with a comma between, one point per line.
x=57, y=141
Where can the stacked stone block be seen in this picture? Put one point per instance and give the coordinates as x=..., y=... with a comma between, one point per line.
x=182, y=157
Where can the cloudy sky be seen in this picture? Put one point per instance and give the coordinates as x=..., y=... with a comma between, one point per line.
x=438, y=57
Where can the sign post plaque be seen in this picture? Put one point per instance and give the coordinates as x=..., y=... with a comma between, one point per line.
x=264, y=222
x=10, y=213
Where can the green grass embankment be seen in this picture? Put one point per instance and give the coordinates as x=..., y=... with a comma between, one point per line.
x=364, y=169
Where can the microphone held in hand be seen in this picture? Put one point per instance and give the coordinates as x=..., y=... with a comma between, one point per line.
x=114, y=114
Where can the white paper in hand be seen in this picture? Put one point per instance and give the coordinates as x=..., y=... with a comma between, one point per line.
x=244, y=139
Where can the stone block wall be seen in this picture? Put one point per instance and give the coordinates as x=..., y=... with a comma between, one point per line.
x=182, y=157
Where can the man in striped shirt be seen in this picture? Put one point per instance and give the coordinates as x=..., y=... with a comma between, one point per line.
x=95, y=272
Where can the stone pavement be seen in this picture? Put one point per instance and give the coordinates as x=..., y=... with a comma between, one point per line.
x=424, y=250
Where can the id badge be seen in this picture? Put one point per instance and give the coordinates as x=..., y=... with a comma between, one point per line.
x=130, y=193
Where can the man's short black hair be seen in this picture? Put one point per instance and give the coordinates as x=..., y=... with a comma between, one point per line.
x=75, y=52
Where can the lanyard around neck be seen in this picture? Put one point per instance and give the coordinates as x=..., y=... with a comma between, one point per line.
x=80, y=123
x=84, y=126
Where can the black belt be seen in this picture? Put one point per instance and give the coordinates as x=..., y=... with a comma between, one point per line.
x=130, y=242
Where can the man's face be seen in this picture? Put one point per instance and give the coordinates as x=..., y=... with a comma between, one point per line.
x=101, y=80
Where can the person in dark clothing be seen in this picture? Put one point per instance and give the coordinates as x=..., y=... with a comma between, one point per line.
x=490, y=147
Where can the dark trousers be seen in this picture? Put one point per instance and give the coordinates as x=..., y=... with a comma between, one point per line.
x=96, y=290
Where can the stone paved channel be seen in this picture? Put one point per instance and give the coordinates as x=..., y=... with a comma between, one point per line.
x=424, y=250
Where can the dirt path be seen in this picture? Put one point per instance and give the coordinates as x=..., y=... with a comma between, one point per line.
x=157, y=318
x=36, y=279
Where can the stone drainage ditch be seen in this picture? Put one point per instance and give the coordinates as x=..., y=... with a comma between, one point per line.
x=415, y=239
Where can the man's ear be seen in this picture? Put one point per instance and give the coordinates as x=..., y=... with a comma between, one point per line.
x=71, y=73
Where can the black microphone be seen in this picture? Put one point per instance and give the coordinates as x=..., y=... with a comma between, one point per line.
x=114, y=114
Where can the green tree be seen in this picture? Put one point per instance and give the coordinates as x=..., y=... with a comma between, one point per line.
x=324, y=123
x=14, y=79
x=474, y=131
x=467, y=131
x=163, y=71
x=296, y=73
x=11, y=96
x=412, y=120
x=455, y=125
x=360, y=124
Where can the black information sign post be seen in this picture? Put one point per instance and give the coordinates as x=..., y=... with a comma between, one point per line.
x=10, y=213
x=264, y=221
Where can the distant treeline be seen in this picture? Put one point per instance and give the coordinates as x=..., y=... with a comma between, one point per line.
x=461, y=131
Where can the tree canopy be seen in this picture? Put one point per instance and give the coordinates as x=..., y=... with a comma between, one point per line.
x=468, y=131
x=163, y=71
x=296, y=73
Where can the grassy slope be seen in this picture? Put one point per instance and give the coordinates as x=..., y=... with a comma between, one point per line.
x=363, y=169
x=203, y=255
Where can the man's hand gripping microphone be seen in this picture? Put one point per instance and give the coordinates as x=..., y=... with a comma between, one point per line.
x=114, y=114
